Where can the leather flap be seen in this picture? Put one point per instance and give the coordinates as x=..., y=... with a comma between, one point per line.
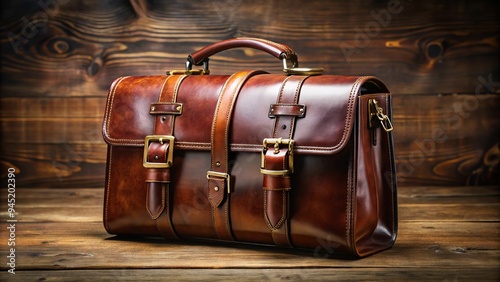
x=325, y=127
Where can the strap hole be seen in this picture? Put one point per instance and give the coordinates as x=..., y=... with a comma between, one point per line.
x=163, y=118
x=283, y=126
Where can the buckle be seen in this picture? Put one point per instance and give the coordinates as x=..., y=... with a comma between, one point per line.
x=376, y=112
x=222, y=175
x=170, y=153
x=277, y=142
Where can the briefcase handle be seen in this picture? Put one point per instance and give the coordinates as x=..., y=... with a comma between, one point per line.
x=280, y=51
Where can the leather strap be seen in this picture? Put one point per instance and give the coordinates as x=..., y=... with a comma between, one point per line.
x=277, y=186
x=158, y=179
x=219, y=180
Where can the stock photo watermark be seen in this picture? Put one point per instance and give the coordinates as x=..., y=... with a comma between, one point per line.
x=12, y=220
x=31, y=26
x=364, y=36
x=453, y=118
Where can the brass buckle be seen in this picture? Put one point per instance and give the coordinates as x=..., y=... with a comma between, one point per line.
x=277, y=143
x=170, y=155
x=375, y=112
x=222, y=175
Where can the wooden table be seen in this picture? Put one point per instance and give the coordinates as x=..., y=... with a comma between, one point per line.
x=445, y=234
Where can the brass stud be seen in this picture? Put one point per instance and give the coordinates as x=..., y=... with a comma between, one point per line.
x=217, y=163
x=153, y=108
x=157, y=157
x=178, y=108
x=216, y=188
x=301, y=110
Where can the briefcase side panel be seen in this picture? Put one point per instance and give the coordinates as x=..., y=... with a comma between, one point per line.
x=375, y=210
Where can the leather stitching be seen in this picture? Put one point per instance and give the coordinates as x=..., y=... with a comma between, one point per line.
x=389, y=150
x=159, y=99
x=108, y=188
x=162, y=206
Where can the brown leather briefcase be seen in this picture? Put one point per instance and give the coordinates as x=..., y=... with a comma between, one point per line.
x=296, y=160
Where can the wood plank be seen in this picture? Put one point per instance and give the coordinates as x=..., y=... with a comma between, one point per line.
x=49, y=130
x=43, y=205
x=440, y=249
x=407, y=196
x=55, y=165
x=445, y=47
x=446, y=140
x=52, y=107
x=79, y=246
x=322, y=274
x=415, y=212
x=425, y=48
x=437, y=140
x=448, y=195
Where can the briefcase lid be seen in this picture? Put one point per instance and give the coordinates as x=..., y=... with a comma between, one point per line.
x=329, y=104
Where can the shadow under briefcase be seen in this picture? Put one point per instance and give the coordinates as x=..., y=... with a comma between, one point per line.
x=292, y=160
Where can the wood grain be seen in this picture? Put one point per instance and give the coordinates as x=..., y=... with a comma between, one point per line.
x=59, y=236
x=438, y=140
x=322, y=274
x=57, y=62
x=421, y=47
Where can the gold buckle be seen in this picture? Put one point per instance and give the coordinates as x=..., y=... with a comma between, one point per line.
x=277, y=143
x=161, y=139
x=376, y=112
x=222, y=175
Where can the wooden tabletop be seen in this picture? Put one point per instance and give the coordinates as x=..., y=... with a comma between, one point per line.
x=445, y=234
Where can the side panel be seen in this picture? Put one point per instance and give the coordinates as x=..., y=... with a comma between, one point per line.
x=375, y=216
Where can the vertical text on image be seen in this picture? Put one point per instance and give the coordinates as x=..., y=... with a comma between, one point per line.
x=11, y=222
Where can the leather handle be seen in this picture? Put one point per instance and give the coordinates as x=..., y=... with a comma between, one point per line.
x=280, y=51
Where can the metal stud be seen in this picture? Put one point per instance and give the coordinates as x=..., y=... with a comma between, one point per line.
x=216, y=188
x=178, y=108
x=217, y=163
x=157, y=157
x=153, y=108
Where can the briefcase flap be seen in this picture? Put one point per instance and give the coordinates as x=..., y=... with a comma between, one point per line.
x=327, y=105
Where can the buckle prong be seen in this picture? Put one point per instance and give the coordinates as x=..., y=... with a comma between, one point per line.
x=276, y=143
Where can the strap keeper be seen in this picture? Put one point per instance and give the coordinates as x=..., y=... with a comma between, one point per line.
x=225, y=177
x=295, y=110
x=165, y=108
x=275, y=172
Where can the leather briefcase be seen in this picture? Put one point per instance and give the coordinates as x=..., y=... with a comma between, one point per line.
x=295, y=160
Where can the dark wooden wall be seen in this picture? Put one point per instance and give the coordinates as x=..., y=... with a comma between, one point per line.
x=439, y=58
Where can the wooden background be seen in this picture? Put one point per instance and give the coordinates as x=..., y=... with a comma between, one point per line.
x=439, y=58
